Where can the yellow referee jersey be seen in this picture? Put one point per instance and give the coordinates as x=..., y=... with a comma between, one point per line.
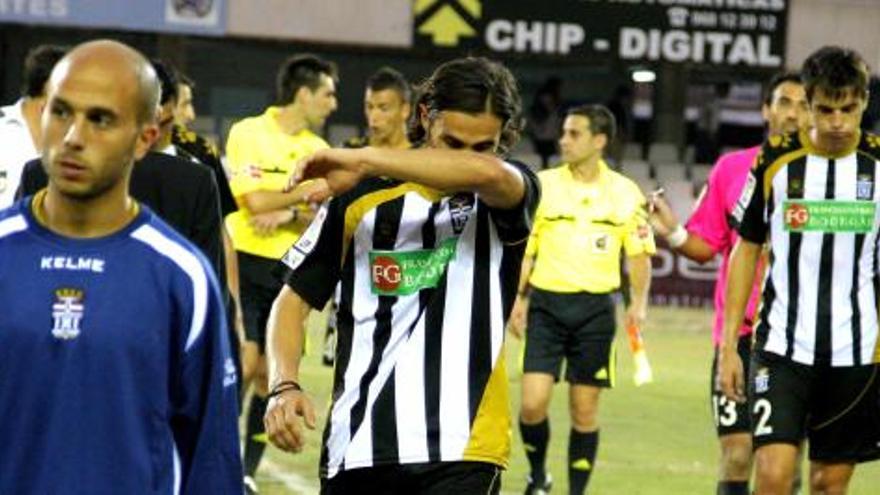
x=261, y=157
x=580, y=229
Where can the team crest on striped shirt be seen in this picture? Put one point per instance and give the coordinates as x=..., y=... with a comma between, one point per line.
x=67, y=313
x=864, y=187
x=460, y=208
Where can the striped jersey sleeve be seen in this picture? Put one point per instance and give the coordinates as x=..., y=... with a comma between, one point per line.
x=515, y=224
x=311, y=267
x=749, y=213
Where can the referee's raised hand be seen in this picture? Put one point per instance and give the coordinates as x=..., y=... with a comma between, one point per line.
x=282, y=420
x=660, y=214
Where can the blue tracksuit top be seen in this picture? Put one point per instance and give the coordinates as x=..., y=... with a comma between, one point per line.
x=115, y=368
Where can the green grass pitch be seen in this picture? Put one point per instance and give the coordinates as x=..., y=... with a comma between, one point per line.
x=657, y=439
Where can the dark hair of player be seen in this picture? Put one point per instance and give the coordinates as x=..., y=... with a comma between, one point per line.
x=167, y=80
x=601, y=120
x=471, y=85
x=777, y=80
x=38, y=66
x=388, y=78
x=298, y=71
x=836, y=71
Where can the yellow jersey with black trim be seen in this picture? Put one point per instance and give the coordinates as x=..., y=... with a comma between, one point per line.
x=427, y=282
x=581, y=228
x=261, y=156
x=818, y=214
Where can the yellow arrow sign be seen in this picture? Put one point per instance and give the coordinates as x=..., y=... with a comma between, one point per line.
x=422, y=5
x=473, y=7
x=446, y=27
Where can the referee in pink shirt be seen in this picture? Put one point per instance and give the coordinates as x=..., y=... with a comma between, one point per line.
x=709, y=232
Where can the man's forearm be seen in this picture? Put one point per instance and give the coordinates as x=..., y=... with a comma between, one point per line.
x=524, y=274
x=284, y=335
x=740, y=278
x=304, y=217
x=262, y=201
x=232, y=280
x=696, y=248
x=639, y=268
x=498, y=184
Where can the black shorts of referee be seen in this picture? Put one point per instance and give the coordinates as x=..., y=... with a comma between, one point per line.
x=578, y=327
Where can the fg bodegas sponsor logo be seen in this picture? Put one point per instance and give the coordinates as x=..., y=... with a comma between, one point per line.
x=401, y=273
x=828, y=216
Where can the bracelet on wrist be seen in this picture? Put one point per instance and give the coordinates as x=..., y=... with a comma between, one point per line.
x=284, y=386
x=678, y=237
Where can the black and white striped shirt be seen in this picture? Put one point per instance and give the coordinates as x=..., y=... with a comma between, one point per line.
x=427, y=283
x=820, y=216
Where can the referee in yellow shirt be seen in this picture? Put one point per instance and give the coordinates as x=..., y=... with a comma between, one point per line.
x=587, y=214
x=262, y=152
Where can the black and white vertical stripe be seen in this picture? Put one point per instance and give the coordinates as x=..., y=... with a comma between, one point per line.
x=820, y=296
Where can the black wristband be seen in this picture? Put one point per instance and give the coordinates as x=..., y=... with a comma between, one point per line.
x=285, y=386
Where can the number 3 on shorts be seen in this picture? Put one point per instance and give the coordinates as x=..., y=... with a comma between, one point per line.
x=724, y=409
x=762, y=410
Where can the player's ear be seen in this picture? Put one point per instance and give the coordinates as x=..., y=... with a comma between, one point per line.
x=601, y=140
x=147, y=136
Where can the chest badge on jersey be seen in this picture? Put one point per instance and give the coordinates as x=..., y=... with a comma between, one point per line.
x=460, y=208
x=795, y=188
x=864, y=187
x=67, y=313
x=599, y=243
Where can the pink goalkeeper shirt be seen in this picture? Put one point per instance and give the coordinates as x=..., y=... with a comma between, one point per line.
x=711, y=221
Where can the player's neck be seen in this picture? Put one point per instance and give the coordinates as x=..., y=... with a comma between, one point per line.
x=586, y=170
x=85, y=218
x=162, y=143
x=397, y=141
x=31, y=110
x=823, y=147
x=291, y=120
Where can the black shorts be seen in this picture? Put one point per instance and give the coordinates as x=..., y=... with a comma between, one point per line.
x=730, y=416
x=836, y=409
x=579, y=327
x=259, y=287
x=440, y=478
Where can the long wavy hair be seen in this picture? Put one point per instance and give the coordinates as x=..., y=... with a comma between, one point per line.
x=471, y=85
